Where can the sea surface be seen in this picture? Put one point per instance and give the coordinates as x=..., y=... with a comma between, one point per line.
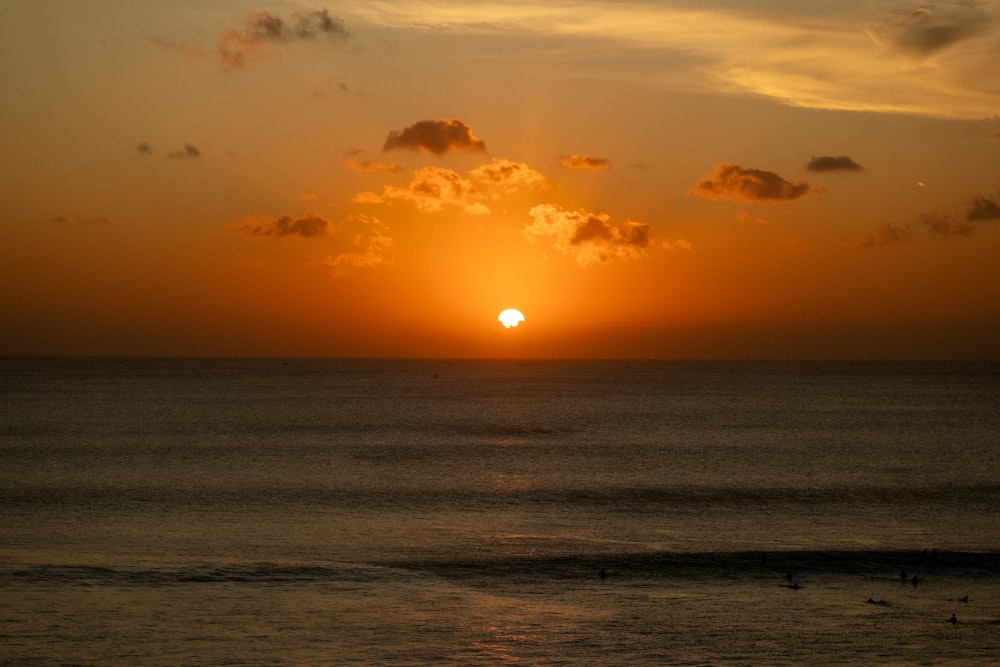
x=390, y=512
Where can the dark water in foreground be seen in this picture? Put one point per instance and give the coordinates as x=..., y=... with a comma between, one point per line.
x=254, y=512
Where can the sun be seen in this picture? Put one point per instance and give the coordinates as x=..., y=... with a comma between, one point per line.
x=511, y=317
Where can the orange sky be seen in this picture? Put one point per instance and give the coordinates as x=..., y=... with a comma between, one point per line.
x=641, y=179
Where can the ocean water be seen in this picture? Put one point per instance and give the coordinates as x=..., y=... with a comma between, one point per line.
x=383, y=512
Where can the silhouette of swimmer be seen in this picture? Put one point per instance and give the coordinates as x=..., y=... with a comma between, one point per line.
x=953, y=620
x=602, y=574
x=914, y=581
x=965, y=599
x=903, y=576
x=881, y=603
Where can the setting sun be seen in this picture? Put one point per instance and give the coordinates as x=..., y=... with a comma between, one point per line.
x=511, y=317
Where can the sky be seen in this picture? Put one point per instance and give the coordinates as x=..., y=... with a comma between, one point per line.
x=706, y=179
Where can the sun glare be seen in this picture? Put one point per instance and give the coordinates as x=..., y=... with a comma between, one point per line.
x=511, y=317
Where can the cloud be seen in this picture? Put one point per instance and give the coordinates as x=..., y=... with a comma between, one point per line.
x=676, y=244
x=372, y=166
x=62, y=220
x=731, y=181
x=241, y=47
x=359, y=241
x=930, y=28
x=435, y=136
x=829, y=55
x=588, y=237
x=188, y=151
x=504, y=175
x=308, y=226
x=588, y=162
x=886, y=234
x=144, y=148
x=431, y=189
x=941, y=227
x=982, y=208
x=828, y=163
x=314, y=25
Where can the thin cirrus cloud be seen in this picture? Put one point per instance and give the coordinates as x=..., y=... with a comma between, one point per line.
x=584, y=162
x=588, y=237
x=731, y=181
x=938, y=60
x=437, y=136
x=831, y=163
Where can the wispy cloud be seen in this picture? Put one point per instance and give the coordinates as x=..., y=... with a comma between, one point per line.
x=941, y=226
x=886, y=234
x=502, y=175
x=930, y=28
x=432, y=188
x=187, y=152
x=242, y=46
x=372, y=166
x=938, y=60
x=308, y=226
x=355, y=241
x=983, y=208
x=731, y=181
x=830, y=163
x=588, y=237
x=359, y=241
x=587, y=162
x=260, y=33
x=437, y=136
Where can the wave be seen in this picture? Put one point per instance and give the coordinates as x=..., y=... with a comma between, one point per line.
x=736, y=565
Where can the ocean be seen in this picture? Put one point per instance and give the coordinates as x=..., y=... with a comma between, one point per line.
x=446, y=512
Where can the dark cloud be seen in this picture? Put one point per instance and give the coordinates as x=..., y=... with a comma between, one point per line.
x=144, y=148
x=829, y=163
x=435, y=136
x=982, y=208
x=588, y=237
x=313, y=25
x=308, y=226
x=588, y=162
x=731, y=181
x=941, y=227
x=188, y=151
x=238, y=48
x=928, y=29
